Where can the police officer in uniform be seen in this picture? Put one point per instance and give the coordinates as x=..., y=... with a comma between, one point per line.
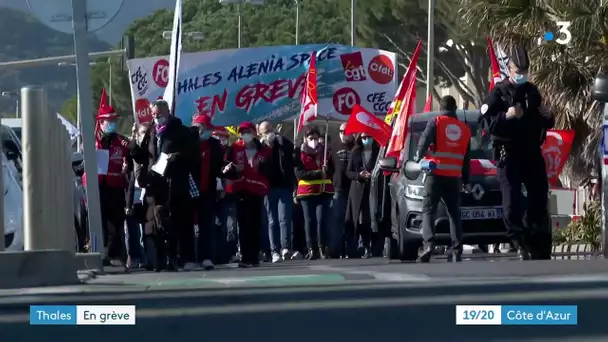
x=451, y=139
x=517, y=121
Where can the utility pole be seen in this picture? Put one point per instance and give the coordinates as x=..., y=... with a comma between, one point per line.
x=430, y=51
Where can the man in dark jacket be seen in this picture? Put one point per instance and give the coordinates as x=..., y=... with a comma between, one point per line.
x=338, y=236
x=206, y=173
x=166, y=153
x=278, y=202
x=518, y=123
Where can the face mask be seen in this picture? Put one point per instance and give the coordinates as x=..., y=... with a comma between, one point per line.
x=161, y=120
x=223, y=141
x=520, y=79
x=367, y=141
x=110, y=128
x=313, y=144
x=270, y=136
x=205, y=135
x=247, y=138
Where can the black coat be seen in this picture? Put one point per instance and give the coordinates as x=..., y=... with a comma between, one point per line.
x=358, y=196
x=177, y=140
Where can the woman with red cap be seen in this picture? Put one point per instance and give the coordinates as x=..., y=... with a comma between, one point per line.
x=247, y=171
x=207, y=170
x=113, y=184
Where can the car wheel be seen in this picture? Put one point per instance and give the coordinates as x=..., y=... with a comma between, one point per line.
x=408, y=248
x=393, y=250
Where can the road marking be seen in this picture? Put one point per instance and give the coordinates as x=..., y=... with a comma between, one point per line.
x=383, y=276
x=300, y=279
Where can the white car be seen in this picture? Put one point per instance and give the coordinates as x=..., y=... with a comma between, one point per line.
x=13, y=207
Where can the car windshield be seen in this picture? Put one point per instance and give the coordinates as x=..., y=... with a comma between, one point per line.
x=481, y=145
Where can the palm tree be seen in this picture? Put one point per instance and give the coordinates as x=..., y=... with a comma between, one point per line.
x=564, y=73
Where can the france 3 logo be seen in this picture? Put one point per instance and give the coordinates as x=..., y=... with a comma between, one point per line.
x=563, y=36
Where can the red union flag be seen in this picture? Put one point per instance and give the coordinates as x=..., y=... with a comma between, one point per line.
x=555, y=151
x=362, y=121
x=308, y=100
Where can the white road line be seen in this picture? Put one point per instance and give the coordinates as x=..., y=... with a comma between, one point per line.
x=383, y=276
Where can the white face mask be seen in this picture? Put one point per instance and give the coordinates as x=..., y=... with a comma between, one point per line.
x=313, y=143
x=247, y=138
x=270, y=136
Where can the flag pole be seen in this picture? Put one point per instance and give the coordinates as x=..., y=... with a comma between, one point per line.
x=326, y=142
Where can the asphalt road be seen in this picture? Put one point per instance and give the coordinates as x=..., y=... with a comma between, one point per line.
x=339, y=300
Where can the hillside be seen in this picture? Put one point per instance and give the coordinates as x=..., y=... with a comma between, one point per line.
x=23, y=37
x=112, y=33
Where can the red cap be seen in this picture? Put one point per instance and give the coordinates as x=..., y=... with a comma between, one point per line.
x=247, y=125
x=221, y=132
x=105, y=112
x=204, y=120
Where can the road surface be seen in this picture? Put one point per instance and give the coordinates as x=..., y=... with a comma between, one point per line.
x=331, y=300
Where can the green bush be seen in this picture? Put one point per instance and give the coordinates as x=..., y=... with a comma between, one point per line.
x=585, y=230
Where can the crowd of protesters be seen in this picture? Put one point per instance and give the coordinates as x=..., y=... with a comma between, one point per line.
x=189, y=195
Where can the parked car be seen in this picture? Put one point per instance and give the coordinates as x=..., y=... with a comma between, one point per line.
x=481, y=209
x=13, y=208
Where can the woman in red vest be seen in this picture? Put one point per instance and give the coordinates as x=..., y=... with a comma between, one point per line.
x=315, y=190
x=112, y=185
x=247, y=170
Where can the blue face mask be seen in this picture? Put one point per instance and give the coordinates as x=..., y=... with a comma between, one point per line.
x=205, y=135
x=110, y=128
x=367, y=141
x=520, y=79
x=161, y=120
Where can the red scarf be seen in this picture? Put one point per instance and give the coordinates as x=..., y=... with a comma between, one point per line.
x=205, y=150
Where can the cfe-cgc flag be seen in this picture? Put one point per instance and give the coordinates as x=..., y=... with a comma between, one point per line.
x=362, y=121
x=309, y=100
x=174, y=58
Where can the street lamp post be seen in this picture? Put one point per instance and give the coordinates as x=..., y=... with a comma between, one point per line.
x=78, y=119
x=352, y=22
x=297, y=22
x=238, y=12
x=13, y=95
x=430, y=51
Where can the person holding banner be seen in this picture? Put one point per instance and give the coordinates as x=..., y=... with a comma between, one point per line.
x=112, y=183
x=207, y=169
x=358, y=217
x=167, y=153
x=248, y=168
x=314, y=171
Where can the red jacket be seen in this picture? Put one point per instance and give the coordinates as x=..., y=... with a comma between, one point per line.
x=252, y=179
x=118, y=151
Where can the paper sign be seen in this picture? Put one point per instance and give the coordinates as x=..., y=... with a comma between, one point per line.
x=161, y=164
x=103, y=159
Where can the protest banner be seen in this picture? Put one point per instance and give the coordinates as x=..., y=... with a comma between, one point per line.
x=257, y=84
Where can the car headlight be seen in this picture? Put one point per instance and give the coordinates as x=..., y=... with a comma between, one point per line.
x=414, y=191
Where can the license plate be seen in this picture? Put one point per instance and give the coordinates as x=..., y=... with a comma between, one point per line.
x=481, y=214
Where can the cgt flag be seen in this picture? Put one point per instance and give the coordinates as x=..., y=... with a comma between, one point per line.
x=308, y=100
x=395, y=107
x=362, y=121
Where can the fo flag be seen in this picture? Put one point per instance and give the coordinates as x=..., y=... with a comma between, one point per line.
x=308, y=100
x=362, y=121
x=174, y=57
